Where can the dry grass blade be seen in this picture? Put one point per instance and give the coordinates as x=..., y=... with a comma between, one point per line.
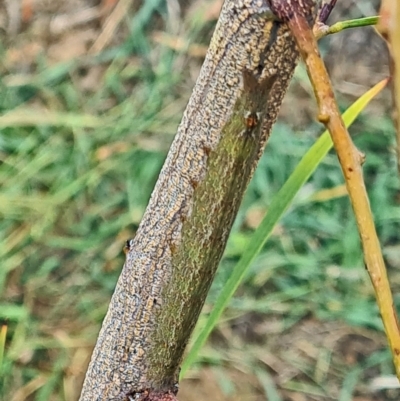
x=351, y=160
x=110, y=26
x=25, y=117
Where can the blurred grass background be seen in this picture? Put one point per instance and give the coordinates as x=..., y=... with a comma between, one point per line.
x=91, y=95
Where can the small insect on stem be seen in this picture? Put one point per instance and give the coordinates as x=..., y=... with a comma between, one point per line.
x=128, y=245
x=251, y=121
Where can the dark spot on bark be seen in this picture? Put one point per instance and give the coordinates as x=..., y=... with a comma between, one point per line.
x=194, y=183
x=173, y=248
x=207, y=150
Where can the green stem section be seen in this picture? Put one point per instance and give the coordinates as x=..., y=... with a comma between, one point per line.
x=352, y=23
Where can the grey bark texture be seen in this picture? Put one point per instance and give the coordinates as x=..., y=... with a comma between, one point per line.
x=172, y=260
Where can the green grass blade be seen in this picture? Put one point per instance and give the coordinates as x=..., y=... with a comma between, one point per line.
x=349, y=384
x=268, y=385
x=279, y=204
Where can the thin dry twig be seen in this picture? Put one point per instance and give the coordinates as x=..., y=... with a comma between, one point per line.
x=13, y=8
x=110, y=26
x=326, y=10
x=351, y=160
x=64, y=22
x=389, y=28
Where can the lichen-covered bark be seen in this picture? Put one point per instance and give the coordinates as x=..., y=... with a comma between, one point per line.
x=172, y=260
